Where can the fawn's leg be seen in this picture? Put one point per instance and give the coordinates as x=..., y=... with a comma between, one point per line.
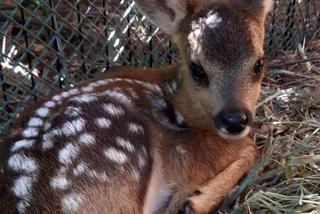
x=210, y=195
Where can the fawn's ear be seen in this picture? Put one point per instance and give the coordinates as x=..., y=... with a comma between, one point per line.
x=165, y=14
x=263, y=7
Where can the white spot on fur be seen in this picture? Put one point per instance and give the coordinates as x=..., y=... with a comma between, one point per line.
x=49, y=104
x=20, y=162
x=136, y=175
x=94, y=84
x=102, y=82
x=197, y=28
x=22, y=206
x=42, y=112
x=113, y=109
x=115, y=155
x=71, y=202
x=135, y=128
x=47, y=139
x=125, y=144
x=73, y=127
x=141, y=161
x=80, y=168
x=121, y=97
x=47, y=126
x=65, y=94
x=87, y=89
x=68, y=153
x=159, y=103
x=73, y=91
x=22, y=187
x=72, y=111
x=46, y=145
x=57, y=98
x=179, y=118
x=59, y=182
x=103, y=122
x=22, y=144
x=30, y=132
x=87, y=139
x=35, y=121
x=133, y=93
x=85, y=98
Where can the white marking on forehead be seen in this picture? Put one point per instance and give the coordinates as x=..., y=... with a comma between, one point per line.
x=213, y=19
x=42, y=112
x=59, y=182
x=125, y=144
x=73, y=127
x=87, y=139
x=197, y=28
x=87, y=89
x=121, y=97
x=135, y=128
x=85, y=98
x=49, y=104
x=116, y=155
x=22, y=206
x=19, y=162
x=113, y=109
x=35, y=121
x=22, y=186
x=73, y=111
x=22, y=144
x=68, y=153
x=103, y=122
x=30, y=132
x=71, y=202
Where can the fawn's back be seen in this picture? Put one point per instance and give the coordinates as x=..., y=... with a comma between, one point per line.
x=147, y=141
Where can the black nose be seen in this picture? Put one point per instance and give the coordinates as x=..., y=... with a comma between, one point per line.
x=234, y=121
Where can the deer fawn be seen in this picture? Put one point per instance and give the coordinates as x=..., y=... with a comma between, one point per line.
x=171, y=140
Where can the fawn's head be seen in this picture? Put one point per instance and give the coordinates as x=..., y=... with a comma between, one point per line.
x=221, y=46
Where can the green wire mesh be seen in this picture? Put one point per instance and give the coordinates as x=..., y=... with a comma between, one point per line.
x=48, y=44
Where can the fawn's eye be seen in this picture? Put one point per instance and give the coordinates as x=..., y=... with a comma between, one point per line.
x=258, y=66
x=198, y=74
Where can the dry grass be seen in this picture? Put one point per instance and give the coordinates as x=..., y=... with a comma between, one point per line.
x=287, y=178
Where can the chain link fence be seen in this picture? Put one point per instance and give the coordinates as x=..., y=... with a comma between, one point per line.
x=48, y=44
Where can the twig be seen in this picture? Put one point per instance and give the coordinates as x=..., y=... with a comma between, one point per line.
x=282, y=71
x=303, y=55
x=314, y=59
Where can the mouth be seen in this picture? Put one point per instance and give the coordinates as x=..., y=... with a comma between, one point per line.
x=224, y=133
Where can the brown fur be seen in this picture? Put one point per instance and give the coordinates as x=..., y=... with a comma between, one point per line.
x=198, y=165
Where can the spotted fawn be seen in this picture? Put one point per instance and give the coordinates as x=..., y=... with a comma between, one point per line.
x=168, y=140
